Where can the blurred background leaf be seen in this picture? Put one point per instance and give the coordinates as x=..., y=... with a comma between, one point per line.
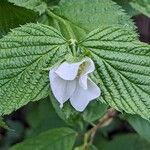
x=83, y=16
x=143, y=6
x=41, y=116
x=123, y=142
x=91, y=147
x=36, y=5
x=55, y=139
x=67, y=113
x=125, y=4
x=12, y=136
x=94, y=111
x=12, y=16
x=140, y=125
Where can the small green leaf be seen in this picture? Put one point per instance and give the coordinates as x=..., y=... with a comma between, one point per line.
x=12, y=16
x=141, y=125
x=36, y=5
x=56, y=139
x=142, y=6
x=122, y=69
x=24, y=53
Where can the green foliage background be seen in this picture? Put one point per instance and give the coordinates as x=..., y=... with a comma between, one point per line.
x=35, y=34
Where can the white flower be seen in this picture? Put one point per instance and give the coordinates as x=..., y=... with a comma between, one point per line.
x=69, y=81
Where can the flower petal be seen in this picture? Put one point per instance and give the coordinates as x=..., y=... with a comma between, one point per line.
x=81, y=97
x=83, y=81
x=61, y=89
x=68, y=71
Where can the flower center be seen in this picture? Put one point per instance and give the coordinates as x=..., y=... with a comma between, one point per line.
x=82, y=69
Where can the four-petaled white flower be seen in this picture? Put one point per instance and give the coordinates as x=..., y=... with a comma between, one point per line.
x=70, y=81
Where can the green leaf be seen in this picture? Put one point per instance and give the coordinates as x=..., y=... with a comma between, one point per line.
x=56, y=139
x=12, y=16
x=36, y=5
x=141, y=125
x=86, y=15
x=123, y=142
x=24, y=54
x=123, y=69
x=142, y=6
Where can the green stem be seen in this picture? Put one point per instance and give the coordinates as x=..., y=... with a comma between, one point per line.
x=68, y=28
x=73, y=47
x=104, y=121
x=86, y=143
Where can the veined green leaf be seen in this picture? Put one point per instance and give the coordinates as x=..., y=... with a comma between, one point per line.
x=142, y=6
x=24, y=53
x=123, y=69
x=84, y=16
x=56, y=139
x=36, y=5
x=12, y=16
